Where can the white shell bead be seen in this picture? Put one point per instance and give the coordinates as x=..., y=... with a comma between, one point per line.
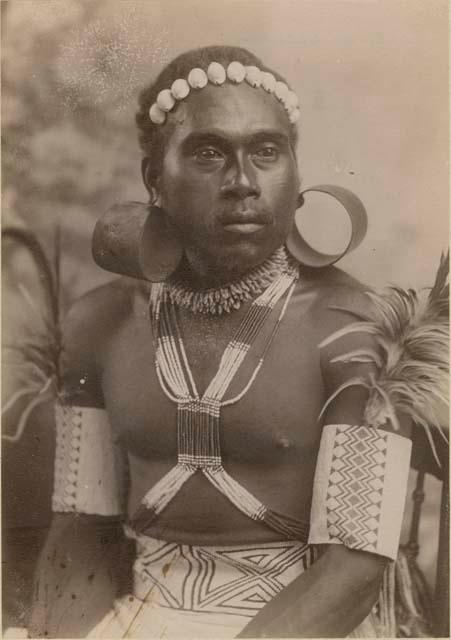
x=281, y=91
x=236, y=72
x=294, y=115
x=197, y=78
x=268, y=81
x=180, y=89
x=165, y=100
x=253, y=76
x=216, y=73
x=157, y=115
x=291, y=100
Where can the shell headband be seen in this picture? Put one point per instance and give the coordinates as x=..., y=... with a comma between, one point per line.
x=217, y=75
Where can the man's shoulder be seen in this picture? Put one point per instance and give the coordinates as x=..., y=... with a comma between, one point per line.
x=337, y=291
x=103, y=308
x=339, y=300
x=87, y=330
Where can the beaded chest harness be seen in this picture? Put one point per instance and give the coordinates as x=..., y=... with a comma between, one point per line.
x=199, y=417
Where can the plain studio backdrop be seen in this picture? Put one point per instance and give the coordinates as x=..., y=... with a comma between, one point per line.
x=371, y=76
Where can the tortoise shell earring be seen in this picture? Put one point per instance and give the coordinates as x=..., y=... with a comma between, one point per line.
x=303, y=252
x=135, y=239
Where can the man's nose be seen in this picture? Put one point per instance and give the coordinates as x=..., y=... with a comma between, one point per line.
x=241, y=180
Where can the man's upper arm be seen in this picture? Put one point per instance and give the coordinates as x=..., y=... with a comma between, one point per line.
x=79, y=362
x=361, y=474
x=345, y=308
x=90, y=462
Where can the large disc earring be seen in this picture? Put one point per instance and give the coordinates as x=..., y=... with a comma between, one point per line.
x=304, y=253
x=136, y=240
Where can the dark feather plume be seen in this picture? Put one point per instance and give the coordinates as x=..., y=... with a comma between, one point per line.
x=411, y=354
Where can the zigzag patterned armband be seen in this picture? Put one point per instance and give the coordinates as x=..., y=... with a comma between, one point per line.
x=90, y=469
x=360, y=488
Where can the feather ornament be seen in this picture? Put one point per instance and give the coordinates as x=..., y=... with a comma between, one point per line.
x=411, y=333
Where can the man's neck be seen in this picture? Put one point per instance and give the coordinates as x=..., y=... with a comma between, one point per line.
x=200, y=275
x=214, y=295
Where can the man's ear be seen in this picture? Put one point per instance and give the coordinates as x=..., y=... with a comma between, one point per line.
x=147, y=176
x=150, y=179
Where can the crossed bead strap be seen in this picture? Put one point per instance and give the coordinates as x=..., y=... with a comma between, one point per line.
x=198, y=418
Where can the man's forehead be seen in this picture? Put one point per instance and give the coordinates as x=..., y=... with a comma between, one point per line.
x=231, y=109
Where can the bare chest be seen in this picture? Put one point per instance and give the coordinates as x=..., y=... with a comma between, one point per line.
x=273, y=422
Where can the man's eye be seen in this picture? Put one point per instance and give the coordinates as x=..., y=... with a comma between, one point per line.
x=267, y=152
x=207, y=154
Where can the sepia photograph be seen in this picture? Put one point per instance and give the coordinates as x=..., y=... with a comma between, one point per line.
x=225, y=319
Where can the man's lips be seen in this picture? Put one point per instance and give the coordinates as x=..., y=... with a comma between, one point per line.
x=244, y=222
x=243, y=227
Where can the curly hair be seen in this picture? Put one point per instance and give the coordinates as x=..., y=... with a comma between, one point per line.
x=153, y=138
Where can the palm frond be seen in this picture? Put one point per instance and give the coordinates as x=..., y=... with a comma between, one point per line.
x=24, y=391
x=39, y=359
x=427, y=430
x=46, y=322
x=38, y=352
x=21, y=363
x=37, y=400
x=438, y=299
x=20, y=393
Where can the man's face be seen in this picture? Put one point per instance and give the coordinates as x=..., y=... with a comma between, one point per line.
x=229, y=180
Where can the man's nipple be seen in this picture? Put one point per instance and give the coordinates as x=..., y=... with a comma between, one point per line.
x=283, y=442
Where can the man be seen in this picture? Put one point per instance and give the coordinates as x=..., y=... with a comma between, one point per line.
x=216, y=419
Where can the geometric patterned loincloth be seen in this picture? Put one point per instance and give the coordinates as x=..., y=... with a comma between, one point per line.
x=191, y=591
x=238, y=579
x=195, y=591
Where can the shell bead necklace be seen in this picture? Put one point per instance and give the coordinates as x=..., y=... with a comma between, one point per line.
x=230, y=296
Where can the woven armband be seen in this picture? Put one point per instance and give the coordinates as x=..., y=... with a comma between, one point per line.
x=90, y=470
x=360, y=488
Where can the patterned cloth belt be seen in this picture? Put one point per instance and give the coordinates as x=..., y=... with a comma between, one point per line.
x=226, y=579
x=185, y=590
x=191, y=591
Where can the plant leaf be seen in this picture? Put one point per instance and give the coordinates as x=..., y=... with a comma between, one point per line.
x=355, y=327
x=431, y=440
x=388, y=405
x=352, y=382
x=361, y=316
x=48, y=324
x=359, y=355
x=40, y=399
x=16, y=396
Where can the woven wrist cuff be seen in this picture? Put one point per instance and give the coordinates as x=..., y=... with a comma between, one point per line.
x=90, y=469
x=360, y=488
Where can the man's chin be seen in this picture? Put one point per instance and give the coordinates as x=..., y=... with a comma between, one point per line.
x=243, y=256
